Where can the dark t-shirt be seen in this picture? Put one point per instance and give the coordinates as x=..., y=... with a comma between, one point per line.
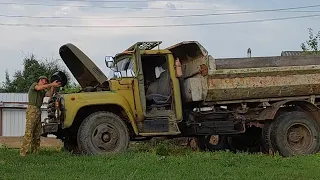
x=36, y=97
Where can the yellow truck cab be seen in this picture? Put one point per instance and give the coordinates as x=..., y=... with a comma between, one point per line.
x=268, y=109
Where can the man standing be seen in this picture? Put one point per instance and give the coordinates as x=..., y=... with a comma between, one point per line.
x=33, y=114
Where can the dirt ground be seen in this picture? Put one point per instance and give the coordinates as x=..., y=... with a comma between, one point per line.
x=15, y=142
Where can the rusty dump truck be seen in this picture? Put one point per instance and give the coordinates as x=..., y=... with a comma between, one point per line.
x=267, y=104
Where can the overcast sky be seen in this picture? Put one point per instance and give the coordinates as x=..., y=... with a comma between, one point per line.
x=229, y=40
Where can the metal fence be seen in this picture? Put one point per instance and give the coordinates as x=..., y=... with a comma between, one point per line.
x=13, y=113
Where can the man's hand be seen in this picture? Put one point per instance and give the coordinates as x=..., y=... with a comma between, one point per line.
x=56, y=84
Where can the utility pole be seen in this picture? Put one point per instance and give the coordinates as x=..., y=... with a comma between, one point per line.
x=249, y=53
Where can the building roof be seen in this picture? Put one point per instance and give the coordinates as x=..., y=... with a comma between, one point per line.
x=291, y=53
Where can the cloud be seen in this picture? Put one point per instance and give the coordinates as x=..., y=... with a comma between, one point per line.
x=267, y=38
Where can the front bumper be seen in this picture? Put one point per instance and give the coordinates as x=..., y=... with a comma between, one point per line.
x=49, y=127
x=52, y=123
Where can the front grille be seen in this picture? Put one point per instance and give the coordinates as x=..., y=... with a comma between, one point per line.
x=51, y=109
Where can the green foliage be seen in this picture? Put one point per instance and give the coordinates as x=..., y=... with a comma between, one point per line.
x=71, y=88
x=55, y=164
x=311, y=46
x=4, y=146
x=32, y=69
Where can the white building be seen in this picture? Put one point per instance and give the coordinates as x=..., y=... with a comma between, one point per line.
x=13, y=113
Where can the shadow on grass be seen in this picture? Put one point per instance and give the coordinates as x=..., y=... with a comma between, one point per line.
x=161, y=148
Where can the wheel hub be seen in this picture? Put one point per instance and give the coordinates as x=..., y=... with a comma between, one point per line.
x=299, y=137
x=294, y=137
x=105, y=137
x=214, y=140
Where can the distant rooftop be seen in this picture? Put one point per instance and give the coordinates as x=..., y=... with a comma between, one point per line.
x=291, y=53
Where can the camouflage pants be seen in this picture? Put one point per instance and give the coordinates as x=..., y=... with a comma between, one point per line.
x=32, y=134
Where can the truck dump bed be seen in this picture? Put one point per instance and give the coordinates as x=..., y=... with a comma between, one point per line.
x=271, y=61
x=261, y=83
x=245, y=78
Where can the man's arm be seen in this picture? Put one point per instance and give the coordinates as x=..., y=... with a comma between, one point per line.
x=42, y=87
x=46, y=86
x=51, y=92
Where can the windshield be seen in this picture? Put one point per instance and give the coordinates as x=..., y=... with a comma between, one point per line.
x=125, y=64
x=124, y=67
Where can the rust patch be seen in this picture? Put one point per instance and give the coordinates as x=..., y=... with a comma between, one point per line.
x=237, y=88
x=203, y=70
x=270, y=113
x=271, y=61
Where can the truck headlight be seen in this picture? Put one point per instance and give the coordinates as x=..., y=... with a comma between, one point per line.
x=59, y=103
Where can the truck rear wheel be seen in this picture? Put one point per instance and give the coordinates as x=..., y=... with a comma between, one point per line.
x=103, y=133
x=295, y=133
x=266, y=145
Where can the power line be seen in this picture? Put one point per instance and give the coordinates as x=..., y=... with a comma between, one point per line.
x=168, y=16
x=95, y=6
x=154, y=26
x=132, y=17
x=131, y=1
x=121, y=7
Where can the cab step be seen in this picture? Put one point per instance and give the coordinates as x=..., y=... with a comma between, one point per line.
x=162, y=125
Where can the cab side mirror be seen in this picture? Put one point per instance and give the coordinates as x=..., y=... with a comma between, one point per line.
x=109, y=61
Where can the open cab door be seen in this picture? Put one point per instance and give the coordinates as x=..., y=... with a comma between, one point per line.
x=140, y=78
x=158, y=109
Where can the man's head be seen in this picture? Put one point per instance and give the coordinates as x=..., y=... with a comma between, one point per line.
x=43, y=80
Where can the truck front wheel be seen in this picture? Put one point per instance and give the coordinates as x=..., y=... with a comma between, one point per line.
x=103, y=133
x=71, y=146
x=295, y=133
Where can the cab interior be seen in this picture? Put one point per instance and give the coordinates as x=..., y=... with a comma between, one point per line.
x=157, y=82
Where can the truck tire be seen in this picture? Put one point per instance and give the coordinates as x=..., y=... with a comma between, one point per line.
x=295, y=133
x=71, y=146
x=102, y=133
x=266, y=145
x=212, y=143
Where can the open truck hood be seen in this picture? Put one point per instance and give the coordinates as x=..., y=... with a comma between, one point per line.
x=81, y=66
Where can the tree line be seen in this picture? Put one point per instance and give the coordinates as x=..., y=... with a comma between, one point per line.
x=32, y=69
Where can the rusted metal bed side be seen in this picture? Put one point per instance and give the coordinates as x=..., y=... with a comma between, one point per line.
x=269, y=61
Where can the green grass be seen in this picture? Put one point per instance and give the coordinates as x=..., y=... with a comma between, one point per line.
x=156, y=161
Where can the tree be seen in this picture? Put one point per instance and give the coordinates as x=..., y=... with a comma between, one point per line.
x=311, y=46
x=71, y=88
x=6, y=85
x=32, y=69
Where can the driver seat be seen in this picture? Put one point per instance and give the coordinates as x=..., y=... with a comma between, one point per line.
x=159, y=91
